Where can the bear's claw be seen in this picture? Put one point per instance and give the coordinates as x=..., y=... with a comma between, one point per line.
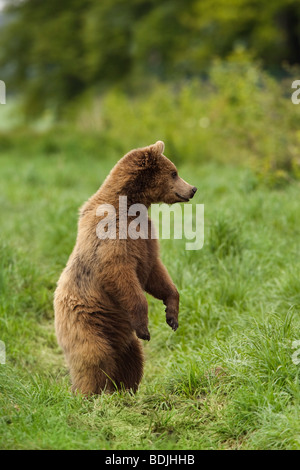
x=172, y=323
x=143, y=334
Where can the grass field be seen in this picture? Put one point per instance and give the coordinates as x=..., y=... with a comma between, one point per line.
x=225, y=380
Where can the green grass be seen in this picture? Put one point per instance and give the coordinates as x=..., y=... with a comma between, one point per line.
x=224, y=380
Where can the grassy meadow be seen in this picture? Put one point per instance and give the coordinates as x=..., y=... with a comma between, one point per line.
x=225, y=380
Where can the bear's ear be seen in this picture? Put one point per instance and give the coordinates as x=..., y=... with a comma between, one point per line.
x=158, y=148
x=149, y=156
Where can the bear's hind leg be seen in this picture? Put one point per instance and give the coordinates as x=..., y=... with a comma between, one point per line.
x=91, y=380
x=130, y=364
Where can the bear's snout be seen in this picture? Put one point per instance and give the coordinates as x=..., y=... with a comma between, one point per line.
x=193, y=192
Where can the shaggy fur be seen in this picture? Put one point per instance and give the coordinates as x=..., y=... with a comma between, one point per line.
x=100, y=306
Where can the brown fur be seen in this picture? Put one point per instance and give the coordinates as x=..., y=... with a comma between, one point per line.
x=100, y=306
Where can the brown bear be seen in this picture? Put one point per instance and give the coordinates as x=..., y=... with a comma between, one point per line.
x=100, y=304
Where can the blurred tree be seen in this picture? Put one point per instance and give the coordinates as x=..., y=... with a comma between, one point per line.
x=51, y=52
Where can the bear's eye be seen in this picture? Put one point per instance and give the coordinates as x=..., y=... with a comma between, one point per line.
x=174, y=174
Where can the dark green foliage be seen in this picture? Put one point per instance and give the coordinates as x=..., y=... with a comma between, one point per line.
x=54, y=51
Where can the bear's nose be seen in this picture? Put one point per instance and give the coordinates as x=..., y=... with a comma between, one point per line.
x=194, y=189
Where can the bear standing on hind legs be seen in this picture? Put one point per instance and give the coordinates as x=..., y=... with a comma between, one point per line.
x=100, y=306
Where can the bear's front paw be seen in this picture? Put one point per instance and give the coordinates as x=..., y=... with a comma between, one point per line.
x=172, y=322
x=142, y=332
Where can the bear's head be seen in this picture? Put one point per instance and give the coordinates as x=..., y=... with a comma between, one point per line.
x=146, y=176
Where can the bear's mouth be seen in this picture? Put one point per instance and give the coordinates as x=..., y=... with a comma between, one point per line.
x=181, y=197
